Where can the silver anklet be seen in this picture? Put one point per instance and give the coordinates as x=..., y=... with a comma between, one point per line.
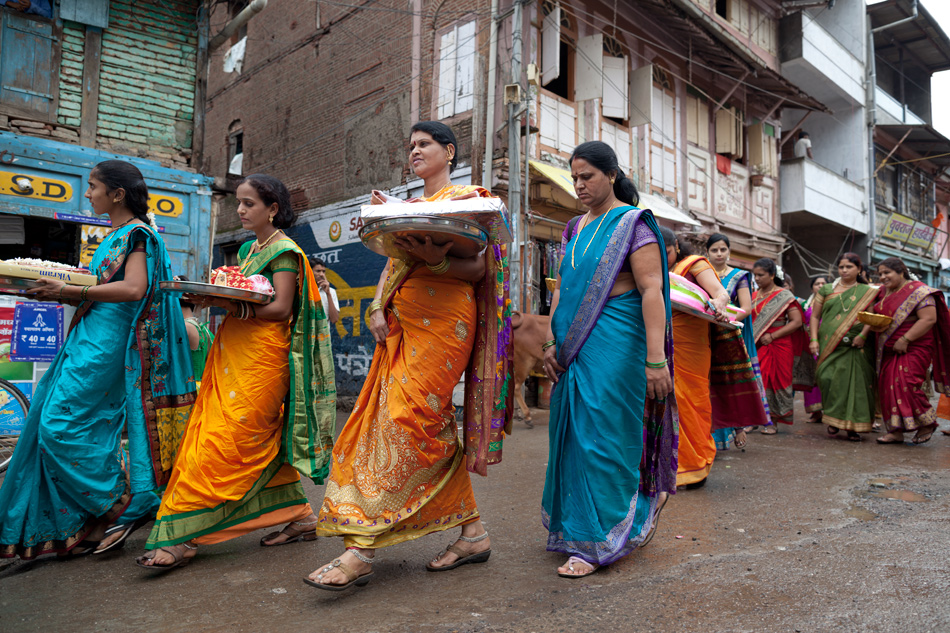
x=307, y=524
x=187, y=546
x=359, y=555
x=474, y=539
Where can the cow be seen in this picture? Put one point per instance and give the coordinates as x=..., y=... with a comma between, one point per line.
x=529, y=331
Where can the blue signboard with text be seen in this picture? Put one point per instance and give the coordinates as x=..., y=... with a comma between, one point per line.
x=37, y=332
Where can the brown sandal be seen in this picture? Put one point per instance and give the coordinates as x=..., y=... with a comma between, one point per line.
x=292, y=533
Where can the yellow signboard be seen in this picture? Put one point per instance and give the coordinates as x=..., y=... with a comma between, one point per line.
x=36, y=187
x=923, y=235
x=169, y=206
x=898, y=227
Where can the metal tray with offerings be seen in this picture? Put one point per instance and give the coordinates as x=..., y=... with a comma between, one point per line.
x=213, y=290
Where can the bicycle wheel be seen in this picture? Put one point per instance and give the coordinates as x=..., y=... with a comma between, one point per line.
x=13, y=409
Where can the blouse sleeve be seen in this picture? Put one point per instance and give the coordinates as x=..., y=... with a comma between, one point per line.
x=642, y=235
x=927, y=302
x=700, y=266
x=566, y=236
x=285, y=262
x=744, y=283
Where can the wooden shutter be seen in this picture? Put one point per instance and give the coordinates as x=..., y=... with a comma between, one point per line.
x=551, y=46
x=447, y=51
x=615, y=87
x=26, y=66
x=465, y=68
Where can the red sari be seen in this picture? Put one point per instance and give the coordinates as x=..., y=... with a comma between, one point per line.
x=778, y=359
x=904, y=405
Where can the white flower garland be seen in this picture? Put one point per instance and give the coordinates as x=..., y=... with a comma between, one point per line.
x=151, y=220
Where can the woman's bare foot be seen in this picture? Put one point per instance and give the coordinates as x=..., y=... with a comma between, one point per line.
x=330, y=575
x=294, y=531
x=891, y=438
x=469, y=531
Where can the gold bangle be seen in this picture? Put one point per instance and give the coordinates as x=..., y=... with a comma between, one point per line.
x=374, y=306
x=441, y=268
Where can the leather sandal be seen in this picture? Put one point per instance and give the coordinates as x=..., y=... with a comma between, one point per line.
x=656, y=519
x=924, y=434
x=292, y=533
x=464, y=557
x=769, y=430
x=178, y=555
x=570, y=565
x=352, y=577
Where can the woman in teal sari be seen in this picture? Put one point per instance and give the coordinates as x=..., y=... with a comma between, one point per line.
x=738, y=283
x=125, y=363
x=613, y=434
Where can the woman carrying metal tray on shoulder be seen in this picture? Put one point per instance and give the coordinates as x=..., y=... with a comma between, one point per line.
x=399, y=469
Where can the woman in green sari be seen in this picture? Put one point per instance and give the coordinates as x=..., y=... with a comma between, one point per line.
x=845, y=361
x=266, y=410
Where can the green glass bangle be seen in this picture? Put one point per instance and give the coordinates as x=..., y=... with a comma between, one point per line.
x=548, y=344
x=656, y=365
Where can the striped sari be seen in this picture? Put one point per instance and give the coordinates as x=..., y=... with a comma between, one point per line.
x=265, y=414
x=845, y=373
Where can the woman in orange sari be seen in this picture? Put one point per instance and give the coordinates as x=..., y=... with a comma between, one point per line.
x=917, y=339
x=777, y=320
x=399, y=470
x=266, y=409
x=692, y=360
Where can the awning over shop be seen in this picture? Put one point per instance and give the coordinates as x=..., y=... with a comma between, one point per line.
x=922, y=139
x=660, y=207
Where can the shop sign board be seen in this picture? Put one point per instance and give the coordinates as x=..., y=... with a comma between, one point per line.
x=898, y=227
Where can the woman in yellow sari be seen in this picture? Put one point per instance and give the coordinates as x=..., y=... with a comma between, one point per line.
x=399, y=470
x=266, y=409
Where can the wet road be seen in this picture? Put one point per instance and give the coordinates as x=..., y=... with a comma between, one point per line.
x=798, y=533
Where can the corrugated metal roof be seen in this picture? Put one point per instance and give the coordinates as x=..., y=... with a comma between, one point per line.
x=922, y=40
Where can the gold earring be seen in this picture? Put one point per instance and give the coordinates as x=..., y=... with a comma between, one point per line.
x=115, y=199
x=611, y=181
x=270, y=219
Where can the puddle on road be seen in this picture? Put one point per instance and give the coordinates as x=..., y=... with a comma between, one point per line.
x=860, y=513
x=900, y=495
x=883, y=483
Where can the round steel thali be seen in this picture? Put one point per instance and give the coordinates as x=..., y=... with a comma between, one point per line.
x=468, y=239
x=212, y=290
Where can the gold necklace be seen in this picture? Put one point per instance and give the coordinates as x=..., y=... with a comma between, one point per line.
x=854, y=298
x=260, y=246
x=591, y=239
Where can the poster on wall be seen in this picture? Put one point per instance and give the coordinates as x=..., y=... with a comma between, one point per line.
x=37, y=332
x=91, y=237
x=8, y=369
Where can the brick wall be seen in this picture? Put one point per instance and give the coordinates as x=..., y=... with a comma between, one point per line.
x=148, y=69
x=326, y=108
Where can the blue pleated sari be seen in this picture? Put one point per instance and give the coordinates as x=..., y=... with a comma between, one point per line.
x=731, y=283
x=123, y=365
x=609, y=458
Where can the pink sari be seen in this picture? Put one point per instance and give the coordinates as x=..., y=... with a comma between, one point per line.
x=903, y=403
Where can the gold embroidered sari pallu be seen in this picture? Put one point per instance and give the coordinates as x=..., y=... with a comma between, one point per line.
x=264, y=415
x=399, y=468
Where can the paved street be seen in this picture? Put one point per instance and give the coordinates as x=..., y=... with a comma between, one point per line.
x=798, y=533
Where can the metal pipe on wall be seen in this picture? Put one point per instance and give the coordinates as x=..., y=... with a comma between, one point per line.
x=514, y=157
x=490, y=98
x=242, y=18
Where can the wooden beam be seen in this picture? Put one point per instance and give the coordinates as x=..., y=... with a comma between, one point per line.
x=201, y=95
x=731, y=91
x=777, y=105
x=893, y=149
x=90, y=87
x=792, y=131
